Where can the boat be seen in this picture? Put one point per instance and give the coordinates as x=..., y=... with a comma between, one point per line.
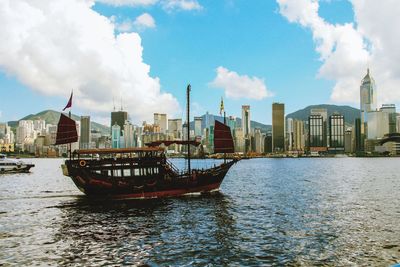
x=142, y=172
x=13, y=165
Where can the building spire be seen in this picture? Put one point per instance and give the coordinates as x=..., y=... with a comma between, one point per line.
x=221, y=108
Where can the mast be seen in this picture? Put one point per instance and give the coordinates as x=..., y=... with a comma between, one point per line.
x=188, y=124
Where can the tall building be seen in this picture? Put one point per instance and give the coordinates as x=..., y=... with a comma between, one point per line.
x=246, y=127
x=336, y=133
x=84, y=141
x=232, y=124
x=130, y=138
x=316, y=133
x=258, y=141
x=398, y=123
x=359, y=140
x=368, y=102
x=323, y=112
x=348, y=141
x=119, y=118
x=378, y=124
x=289, y=134
x=268, y=143
x=278, y=127
x=175, y=128
x=160, y=119
x=390, y=109
x=197, y=126
x=298, y=135
x=116, y=136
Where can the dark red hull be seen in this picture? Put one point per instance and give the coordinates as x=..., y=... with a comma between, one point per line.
x=165, y=183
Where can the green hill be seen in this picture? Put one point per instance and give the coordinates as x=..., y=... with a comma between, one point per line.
x=349, y=113
x=52, y=117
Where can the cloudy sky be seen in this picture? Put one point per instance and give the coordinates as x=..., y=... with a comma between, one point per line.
x=143, y=53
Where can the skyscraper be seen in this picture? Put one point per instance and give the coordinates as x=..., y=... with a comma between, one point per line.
x=85, y=133
x=160, y=119
x=119, y=118
x=390, y=109
x=278, y=127
x=115, y=136
x=316, y=133
x=368, y=101
x=336, y=133
x=197, y=126
x=246, y=127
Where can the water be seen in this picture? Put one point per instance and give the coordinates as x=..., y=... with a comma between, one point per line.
x=342, y=211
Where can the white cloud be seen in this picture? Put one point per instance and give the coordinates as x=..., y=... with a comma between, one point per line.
x=128, y=2
x=239, y=86
x=144, y=21
x=346, y=50
x=55, y=46
x=170, y=5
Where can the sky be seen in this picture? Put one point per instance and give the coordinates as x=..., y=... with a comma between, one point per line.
x=141, y=54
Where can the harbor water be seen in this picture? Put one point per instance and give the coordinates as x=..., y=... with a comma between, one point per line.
x=322, y=211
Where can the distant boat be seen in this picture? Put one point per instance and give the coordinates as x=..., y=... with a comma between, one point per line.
x=141, y=173
x=13, y=166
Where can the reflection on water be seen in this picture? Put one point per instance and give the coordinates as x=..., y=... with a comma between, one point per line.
x=269, y=211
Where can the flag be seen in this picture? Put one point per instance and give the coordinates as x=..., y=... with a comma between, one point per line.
x=69, y=104
x=221, y=108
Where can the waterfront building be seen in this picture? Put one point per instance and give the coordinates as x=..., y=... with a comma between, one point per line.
x=323, y=112
x=278, y=127
x=398, y=123
x=268, y=143
x=115, y=136
x=298, y=135
x=368, y=102
x=130, y=138
x=316, y=133
x=85, y=138
x=239, y=140
x=232, y=124
x=289, y=134
x=336, y=133
x=246, y=127
x=119, y=118
x=175, y=128
x=390, y=109
x=359, y=140
x=348, y=140
x=39, y=126
x=378, y=124
x=160, y=119
x=258, y=141
x=197, y=126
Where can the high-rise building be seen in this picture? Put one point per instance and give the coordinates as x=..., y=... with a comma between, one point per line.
x=298, y=135
x=359, y=140
x=336, y=133
x=84, y=141
x=258, y=141
x=278, y=127
x=246, y=127
x=289, y=134
x=115, y=136
x=232, y=124
x=398, y=123
x=197, y=126
x=323, y=112
x=130, y=137
x=378, y=124
x=316, y=133
x=119, y=118
x=348, y=141
x=390, y=109
x=175, y=128
x=160, y=119
x=268, y=143
x=368, y=102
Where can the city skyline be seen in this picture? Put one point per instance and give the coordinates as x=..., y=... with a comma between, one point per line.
x=248, y=45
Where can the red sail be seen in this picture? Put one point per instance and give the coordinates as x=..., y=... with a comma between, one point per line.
x=223, y=142
x=66, y=131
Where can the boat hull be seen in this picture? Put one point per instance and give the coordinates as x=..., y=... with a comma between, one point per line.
x=164, y=184
x=16, y=169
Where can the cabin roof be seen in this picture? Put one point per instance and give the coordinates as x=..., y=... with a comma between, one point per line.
x=117, y=150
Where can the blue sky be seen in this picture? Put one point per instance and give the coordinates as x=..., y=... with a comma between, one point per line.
x=187, y=46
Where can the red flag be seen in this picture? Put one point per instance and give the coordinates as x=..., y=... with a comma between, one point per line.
x=69, y=104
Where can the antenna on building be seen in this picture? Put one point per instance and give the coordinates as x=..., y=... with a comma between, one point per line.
x=113, y=104
x=121, y=104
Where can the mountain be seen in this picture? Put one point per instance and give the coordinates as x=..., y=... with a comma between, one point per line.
x=349, y=113
x=52, y=117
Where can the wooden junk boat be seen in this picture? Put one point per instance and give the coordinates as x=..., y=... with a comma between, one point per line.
x=140, y=173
